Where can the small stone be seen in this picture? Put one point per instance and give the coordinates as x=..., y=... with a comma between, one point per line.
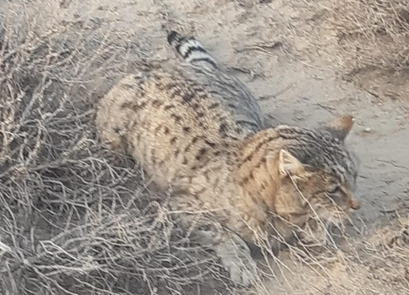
x=367, y=130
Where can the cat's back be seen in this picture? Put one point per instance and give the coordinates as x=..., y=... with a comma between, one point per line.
x=171, y=124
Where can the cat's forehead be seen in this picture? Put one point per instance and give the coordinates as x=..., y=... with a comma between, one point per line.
x=321, y=151
x=342, y=163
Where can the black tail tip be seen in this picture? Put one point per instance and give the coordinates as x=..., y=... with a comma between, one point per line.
x=172, y=36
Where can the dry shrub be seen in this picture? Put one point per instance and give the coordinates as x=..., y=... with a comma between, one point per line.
x=75, y=218
x=372, y=42
x=368, y=40
x=373, y=264
x=374, y=33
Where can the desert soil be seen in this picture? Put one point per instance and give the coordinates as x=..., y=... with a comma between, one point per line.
x=257, y=43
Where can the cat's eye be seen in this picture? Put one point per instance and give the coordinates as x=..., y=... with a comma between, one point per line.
x=335, y=189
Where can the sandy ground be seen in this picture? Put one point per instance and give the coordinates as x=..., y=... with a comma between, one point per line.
x=257, y=42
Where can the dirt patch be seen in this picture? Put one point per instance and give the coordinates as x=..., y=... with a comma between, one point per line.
x=77, y=219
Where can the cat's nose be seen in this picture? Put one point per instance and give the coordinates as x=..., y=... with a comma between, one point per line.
x=354, y=204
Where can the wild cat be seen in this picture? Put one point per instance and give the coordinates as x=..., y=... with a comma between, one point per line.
x=238, y=100
x=237, y=183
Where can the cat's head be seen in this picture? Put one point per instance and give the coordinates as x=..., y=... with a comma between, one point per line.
x=318, y=174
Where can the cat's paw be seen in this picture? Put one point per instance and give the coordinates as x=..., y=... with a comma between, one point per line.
x=236, y=259
x=242, y=271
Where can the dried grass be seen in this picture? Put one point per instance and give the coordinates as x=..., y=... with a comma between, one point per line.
x=365, y=41
x=372, y=43
x=374, y=33
x=76, y=219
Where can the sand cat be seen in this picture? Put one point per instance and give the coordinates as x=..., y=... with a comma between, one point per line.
x=236, y=183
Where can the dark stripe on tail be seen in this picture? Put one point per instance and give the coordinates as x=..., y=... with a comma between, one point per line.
x=175, y=39
x=190, y=49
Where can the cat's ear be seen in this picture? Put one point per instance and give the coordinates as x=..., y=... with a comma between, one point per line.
x=340, y=127
x=288, y=164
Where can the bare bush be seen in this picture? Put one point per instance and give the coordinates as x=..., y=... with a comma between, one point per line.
x=372, y=43
x=76, y=219
x=374, y=33
x=365, y=41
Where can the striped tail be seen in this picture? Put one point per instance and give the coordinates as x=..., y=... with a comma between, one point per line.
x=191, y=50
